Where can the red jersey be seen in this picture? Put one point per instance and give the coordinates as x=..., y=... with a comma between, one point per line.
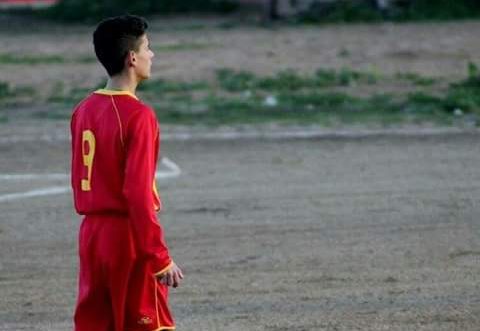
x=115, y=144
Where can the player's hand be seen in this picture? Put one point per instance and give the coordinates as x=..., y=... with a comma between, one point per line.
x=172, y=276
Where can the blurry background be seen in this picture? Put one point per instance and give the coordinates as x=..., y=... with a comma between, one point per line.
x=227, y=62
x=327, y=156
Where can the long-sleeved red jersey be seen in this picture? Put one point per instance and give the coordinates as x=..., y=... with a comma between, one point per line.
x=115, y=144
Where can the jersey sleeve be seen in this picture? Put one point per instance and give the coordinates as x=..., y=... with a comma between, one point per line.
x=142, y=131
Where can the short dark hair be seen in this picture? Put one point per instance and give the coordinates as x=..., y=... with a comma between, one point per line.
x=116, y=36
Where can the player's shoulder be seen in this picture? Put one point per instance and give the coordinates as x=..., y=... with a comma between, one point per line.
x=82, y=104
x=140, y=109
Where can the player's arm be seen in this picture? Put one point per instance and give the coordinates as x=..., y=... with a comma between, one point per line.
x=142, y=129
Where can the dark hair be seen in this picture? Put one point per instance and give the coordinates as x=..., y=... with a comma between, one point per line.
x=116, y=36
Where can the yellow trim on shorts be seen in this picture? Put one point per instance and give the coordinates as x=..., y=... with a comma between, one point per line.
x=165, y=328
x=158, y=315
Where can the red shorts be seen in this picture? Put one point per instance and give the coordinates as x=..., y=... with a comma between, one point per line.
x=117, y=291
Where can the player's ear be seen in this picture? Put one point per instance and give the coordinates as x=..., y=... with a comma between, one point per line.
x=131, y=59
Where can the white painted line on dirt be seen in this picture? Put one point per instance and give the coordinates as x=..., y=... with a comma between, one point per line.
x=32, y=176
x=35, y=193
x=173, y=171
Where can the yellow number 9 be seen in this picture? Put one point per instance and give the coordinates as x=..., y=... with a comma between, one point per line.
x=88, y=152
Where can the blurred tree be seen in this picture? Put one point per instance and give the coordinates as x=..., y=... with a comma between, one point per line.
x=92, y=10
x=375, y=10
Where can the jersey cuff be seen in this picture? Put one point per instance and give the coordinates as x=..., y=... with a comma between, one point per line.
x=159, y=273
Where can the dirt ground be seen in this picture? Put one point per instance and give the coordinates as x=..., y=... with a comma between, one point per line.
x=372, y=233
x=194, y=49
x=376, y=233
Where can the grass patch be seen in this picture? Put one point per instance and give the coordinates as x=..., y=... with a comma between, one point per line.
x=166, y=86
x=235, y=81
x=15, y=59
x=7, y=58
x=69, y=98
x=313, y=107
x=323, y=97
x=416, y=79
x=4, y=90
x=10, y=95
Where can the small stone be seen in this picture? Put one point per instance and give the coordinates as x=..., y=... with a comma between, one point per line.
x=271, y=101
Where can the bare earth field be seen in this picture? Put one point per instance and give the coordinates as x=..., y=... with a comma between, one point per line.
x=194, y=49
x=372, y=233
x=378, y=233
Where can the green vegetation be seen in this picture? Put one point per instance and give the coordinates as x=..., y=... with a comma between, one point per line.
x=164, y=86
x=326, y=97
x=4, y=90
x=416, y=78
x=4, y=93
x=94, y=10
x=438, y=10
x=7, y=58
x=407, y=10
x=235, y=81
x=71, y=97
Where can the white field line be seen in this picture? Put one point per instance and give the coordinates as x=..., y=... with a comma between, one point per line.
x=16, y=177
x=173, y=171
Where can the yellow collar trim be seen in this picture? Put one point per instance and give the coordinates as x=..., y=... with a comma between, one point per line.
x=115, y=92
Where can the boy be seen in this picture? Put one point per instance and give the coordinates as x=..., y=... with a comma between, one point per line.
x=125, y=266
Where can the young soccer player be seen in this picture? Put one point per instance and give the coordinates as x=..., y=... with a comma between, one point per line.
x=125, y=265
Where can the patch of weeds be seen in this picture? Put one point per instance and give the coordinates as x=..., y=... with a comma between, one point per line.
x=416, y=78
x=6, y=58
x=473, y=78
x=4, y=90
x=423, y=103
x=314, y=101
x=4, y=93
x=86, y=59
x=164, y=86
x=8, y=94
x=347, y=77
x=70, y=98
x=235, y=81
x=285, y=80
x=465, y=95
x=15, y=59
x=464, y=99
x=383, y=104
x=326, y=77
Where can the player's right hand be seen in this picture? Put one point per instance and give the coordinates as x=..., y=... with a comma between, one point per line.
x=172, y=276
